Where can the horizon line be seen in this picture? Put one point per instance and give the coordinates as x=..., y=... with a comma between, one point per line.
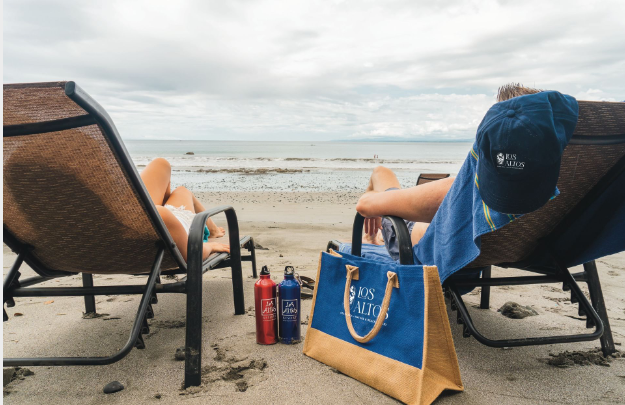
x=304, y=141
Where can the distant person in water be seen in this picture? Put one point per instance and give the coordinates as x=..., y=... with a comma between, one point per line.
x=178, y=208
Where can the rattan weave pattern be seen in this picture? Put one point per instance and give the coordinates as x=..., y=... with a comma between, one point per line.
x=25, y=105
x=600, y=118
x=65, y=194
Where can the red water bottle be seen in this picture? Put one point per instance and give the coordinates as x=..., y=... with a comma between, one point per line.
x=266, y=309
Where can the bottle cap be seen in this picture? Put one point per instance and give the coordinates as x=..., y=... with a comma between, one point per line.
x=289, y=270
x=264, y=271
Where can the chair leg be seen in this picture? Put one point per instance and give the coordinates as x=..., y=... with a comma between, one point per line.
x=237, y=286
x=235, y=262
x=11, y=280
x=485, y=296
x=596, y=299
x=193, y=344
x=134, y=340
x=252, y=250
x=87, y=281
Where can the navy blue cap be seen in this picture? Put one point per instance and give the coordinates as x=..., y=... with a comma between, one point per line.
x=519, y=145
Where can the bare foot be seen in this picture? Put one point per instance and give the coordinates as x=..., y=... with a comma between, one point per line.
x=219, y=247
x=217, y=232
x=214, y=247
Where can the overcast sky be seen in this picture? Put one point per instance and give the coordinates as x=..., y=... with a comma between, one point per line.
x=313, y=70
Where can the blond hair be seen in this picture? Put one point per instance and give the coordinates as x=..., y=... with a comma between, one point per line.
x=511, y=90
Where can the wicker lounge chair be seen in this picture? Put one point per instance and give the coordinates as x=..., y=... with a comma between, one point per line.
x=592, y=180
x=74, y=203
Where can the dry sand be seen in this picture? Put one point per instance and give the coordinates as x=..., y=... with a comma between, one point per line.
x=294, y=227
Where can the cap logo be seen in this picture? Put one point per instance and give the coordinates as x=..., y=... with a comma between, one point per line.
x=500, y=159
x=509, y=161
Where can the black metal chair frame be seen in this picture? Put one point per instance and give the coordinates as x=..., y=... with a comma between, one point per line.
x=595, y=310
x=191, y=285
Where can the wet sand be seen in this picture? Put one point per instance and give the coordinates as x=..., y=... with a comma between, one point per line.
x=294, y=227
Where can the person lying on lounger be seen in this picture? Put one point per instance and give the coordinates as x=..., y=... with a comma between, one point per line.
x=517, y=154
x=178, y=207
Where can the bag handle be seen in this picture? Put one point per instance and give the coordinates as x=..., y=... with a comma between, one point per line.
x=353, y=274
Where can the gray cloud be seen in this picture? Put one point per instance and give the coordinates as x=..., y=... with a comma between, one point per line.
x=319, y=70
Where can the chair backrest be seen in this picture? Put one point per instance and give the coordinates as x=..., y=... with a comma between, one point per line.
x=430, y=177
x=597, y=147
x=71, y=194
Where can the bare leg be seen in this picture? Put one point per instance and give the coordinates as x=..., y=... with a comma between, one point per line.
x=423, y=202
x=176, y=230
x=180, y=237
x=215, y=231
x=157, y=177
x=382, y=179
x=418, y=203
x=182, y=196
x=418, y=231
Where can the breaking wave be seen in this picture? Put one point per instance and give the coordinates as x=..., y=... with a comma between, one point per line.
x=290, y=164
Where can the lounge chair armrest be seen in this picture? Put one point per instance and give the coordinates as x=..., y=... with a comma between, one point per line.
x=401, y=230
x=195, y=247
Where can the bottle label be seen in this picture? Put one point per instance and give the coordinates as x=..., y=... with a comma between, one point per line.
x=290, y=310
x=268, y=309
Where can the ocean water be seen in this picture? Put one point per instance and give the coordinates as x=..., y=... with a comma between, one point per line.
x=295, y=166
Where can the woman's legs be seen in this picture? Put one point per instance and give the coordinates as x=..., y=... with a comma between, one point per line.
x=180, y=237
x=182, y=196
x=157, y=178
x=176, y=230
x=215, y=231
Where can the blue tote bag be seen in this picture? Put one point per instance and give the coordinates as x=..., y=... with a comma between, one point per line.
x=385, y=325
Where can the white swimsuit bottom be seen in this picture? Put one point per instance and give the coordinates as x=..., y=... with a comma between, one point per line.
x=184, y=215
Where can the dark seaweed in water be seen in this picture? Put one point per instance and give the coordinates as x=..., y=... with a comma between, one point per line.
x=261, y=170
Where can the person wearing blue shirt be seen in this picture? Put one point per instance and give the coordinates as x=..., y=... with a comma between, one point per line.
x=513, y=168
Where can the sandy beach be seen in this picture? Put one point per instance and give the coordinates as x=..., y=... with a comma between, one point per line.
x=293, y=228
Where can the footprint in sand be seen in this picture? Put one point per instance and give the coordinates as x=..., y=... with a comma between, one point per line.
x=242, y=371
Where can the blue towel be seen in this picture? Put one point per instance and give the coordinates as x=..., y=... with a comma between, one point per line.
x=380, y=254
x=599, y=231
x=453, y=238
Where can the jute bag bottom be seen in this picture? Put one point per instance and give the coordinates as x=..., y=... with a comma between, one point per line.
x=404, y=382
